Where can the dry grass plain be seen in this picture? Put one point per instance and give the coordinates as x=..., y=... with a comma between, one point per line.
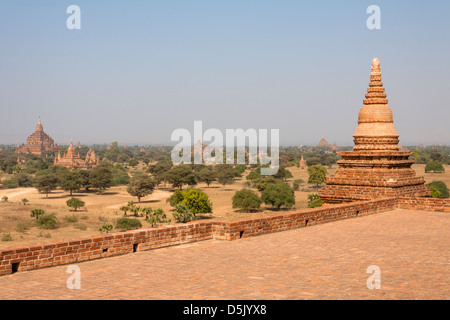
x=104, y=208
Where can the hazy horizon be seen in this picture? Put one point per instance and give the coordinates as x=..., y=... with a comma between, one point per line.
x=136, y=70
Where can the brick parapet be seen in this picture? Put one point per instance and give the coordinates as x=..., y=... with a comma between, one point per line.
x=112, y=244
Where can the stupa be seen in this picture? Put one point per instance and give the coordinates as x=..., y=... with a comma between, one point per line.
x=38, y=142
x=376, y=167
x=73, y=160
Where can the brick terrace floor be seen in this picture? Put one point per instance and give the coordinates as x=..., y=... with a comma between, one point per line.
x=327, y=261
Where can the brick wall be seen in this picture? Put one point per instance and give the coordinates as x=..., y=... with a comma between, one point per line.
x=427, y=204
x=106, y=245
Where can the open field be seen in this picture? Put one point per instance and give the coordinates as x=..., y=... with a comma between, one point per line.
x=104, y=208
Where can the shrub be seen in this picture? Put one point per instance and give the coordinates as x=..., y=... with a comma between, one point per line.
x=24, y=201
x=47, y=221
x=9, y=184
x=246, y=200
x=22, y=227
x=7, y=237
x=5, y=199
x=434, y=166
x=156, y=216
x=197, y=201
x=182, y=213
x=441, y=187
x=176, y=198
x=72, y=218
x=75, y=203
x=277, y=195
x=314, y=200
x=106, y=228
x=128, y=223
x=435, y=193
x=81, y=226
x=36, y=213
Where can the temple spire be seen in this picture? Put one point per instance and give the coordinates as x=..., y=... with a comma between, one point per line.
x=39, y=126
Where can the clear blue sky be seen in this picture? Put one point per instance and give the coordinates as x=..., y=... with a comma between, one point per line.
x=137, y=70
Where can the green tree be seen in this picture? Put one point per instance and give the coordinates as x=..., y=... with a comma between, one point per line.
x=283, y=173
x=70, y=181
x=441, y=187
x=317, y=174
x=224, y=174
x=141, y=186
x=434, y=166
x=101, y=177
x=159, y=170
x=133, y=162
x=314, y=200
x=45, y=183
x=206, y=175
x=23, y=179
x=197, y=201
x=181, y=175
x=246, y=200
x=75, y=203
x=24, y=201
x=36, y=213
x=278, y=195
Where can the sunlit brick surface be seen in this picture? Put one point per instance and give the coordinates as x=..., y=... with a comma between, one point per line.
x=325, y=261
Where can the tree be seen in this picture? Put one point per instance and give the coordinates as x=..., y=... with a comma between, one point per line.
x=246, y=200
x=224, y=174
x=75, y=203
x=5, y=199
x=263, y=182
x=45, y=183
x=23, y=179
x=206, y=175
x=159, y=169
x=176, y=198
x=277, y=195
x=133, y=162
x=181, y=175
x=197, y=201
x=36, y=213
x=440, y=187
x=283, y=173
x=314, y=200
x=434, y=166
x=317, y=175
x=24, y=201
x=101, y=177
x=71, y=181
x=141, y=186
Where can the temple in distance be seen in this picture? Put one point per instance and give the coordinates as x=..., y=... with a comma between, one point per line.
x=38, y=142
x=72, y=159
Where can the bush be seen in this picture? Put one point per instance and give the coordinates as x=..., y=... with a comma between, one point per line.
x=441, y=187
x=434, y=166
x=196, y=200
x=47, y=221
x=75, y=203
x=72, y=218
x=7, y=237
x=36, y=213
x=128, y=223
x=22, y=227
x=314, y=200
x=278, y=195
x=5, y=199
x=9, y=184
x=106, y=228
x=435, y=193
x=246, y=200
x=155, y=216
x=182, y=213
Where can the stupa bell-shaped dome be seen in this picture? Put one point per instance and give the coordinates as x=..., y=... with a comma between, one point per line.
x=375, y=117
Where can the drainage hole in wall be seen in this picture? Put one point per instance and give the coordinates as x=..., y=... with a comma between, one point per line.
x=135, y=247
x=241, y=233
x=15, y=267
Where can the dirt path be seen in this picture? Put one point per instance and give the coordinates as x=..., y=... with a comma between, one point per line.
x=12, y=193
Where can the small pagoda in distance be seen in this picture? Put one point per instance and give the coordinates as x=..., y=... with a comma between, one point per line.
x=72, y=159
x=376, y=167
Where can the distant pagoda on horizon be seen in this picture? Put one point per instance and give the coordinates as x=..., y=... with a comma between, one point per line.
x=38, y=142
x=376, y=167
x=72, y=159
